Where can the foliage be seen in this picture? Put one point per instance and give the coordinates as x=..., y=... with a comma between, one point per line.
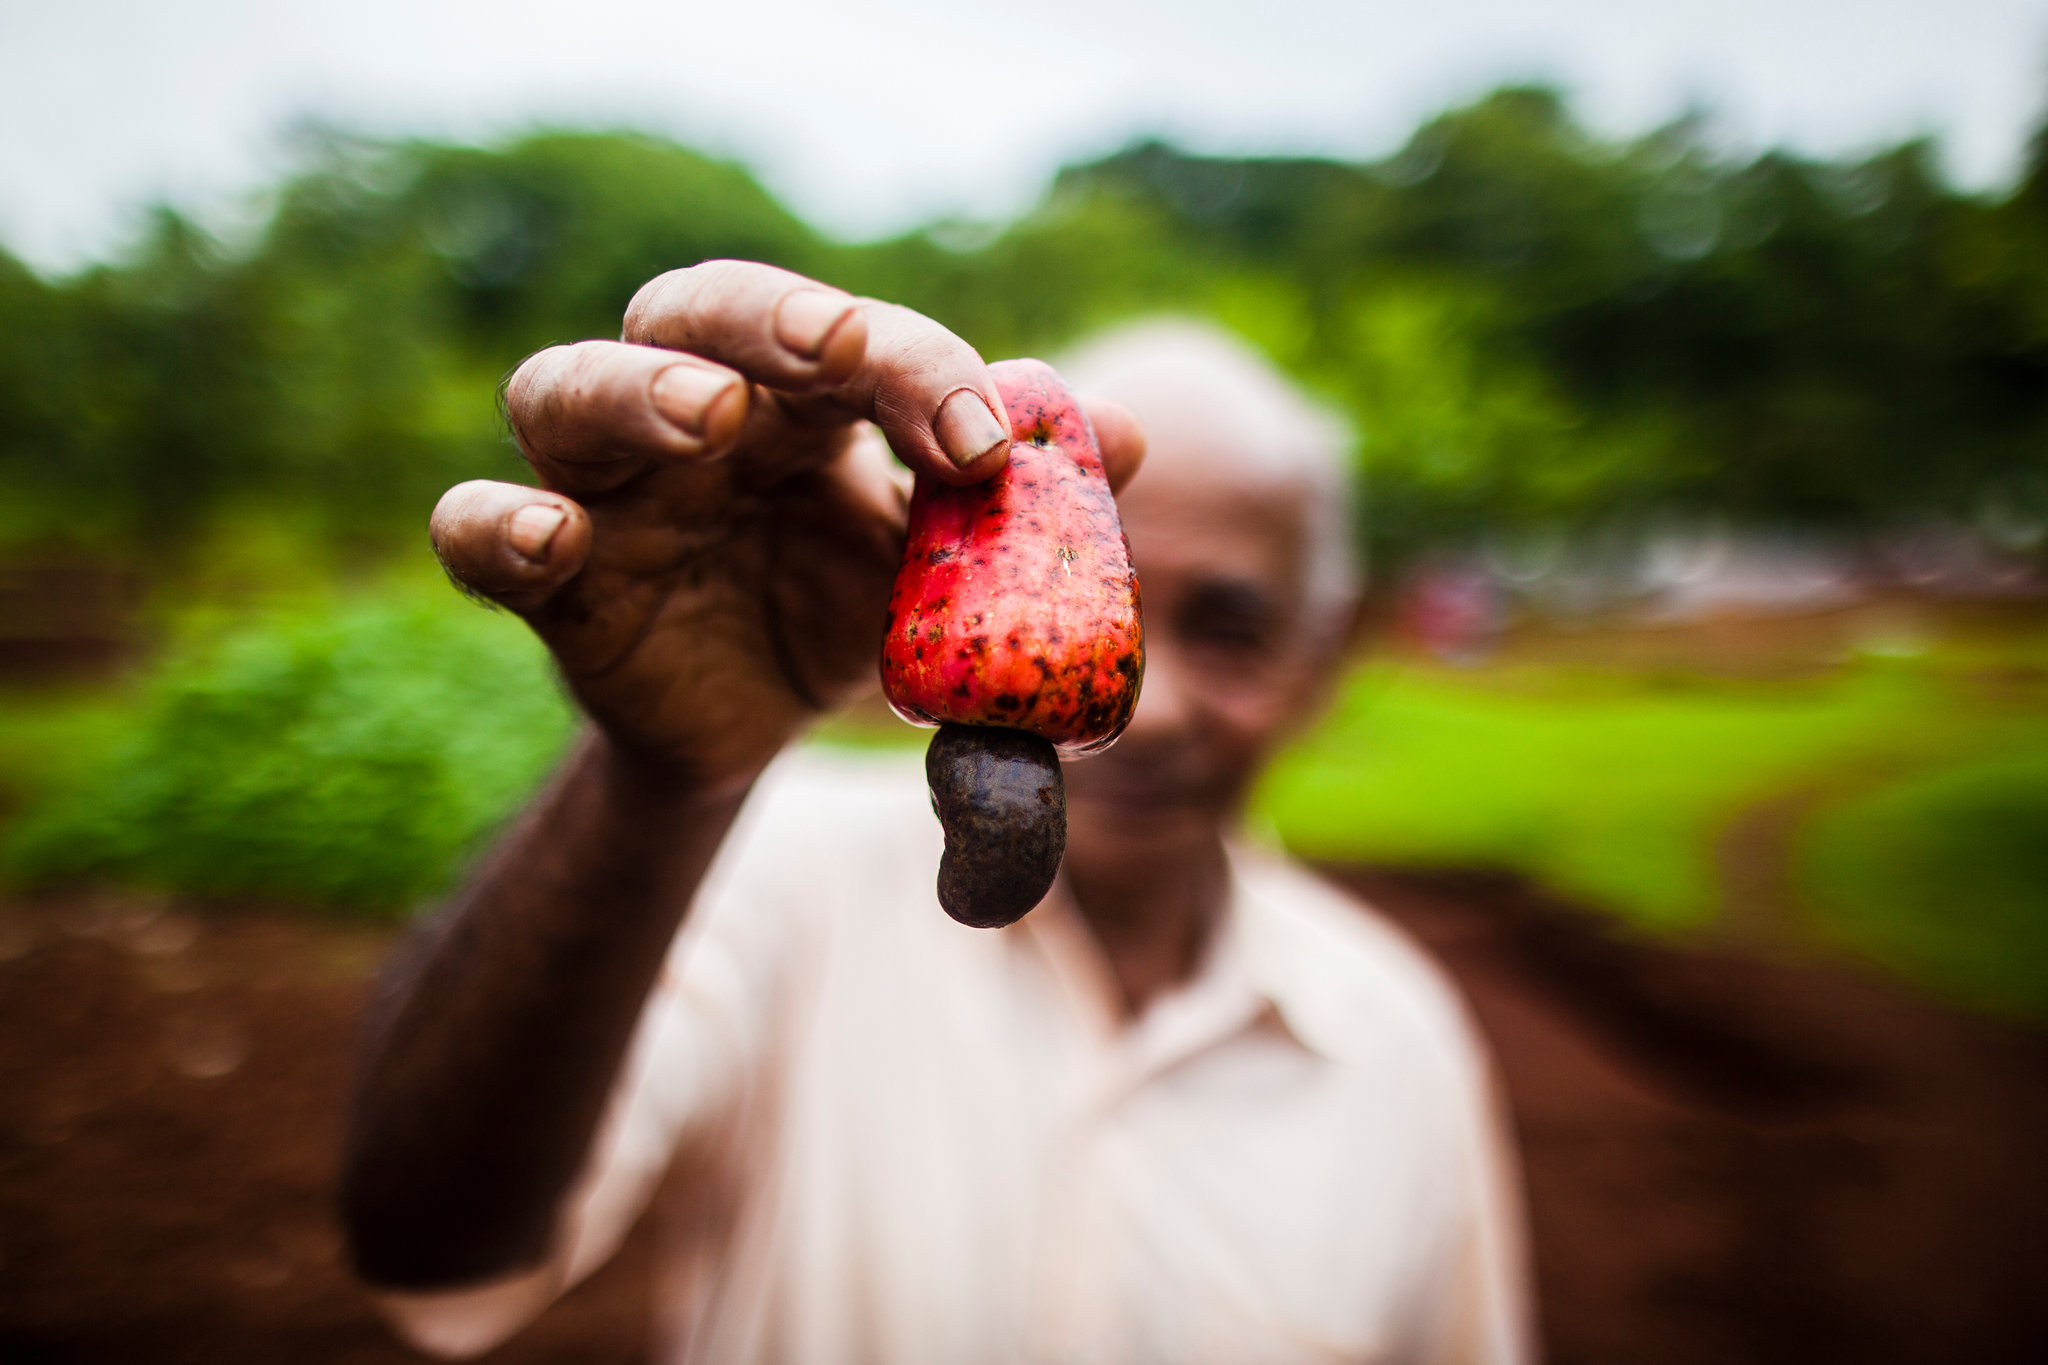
x=346, y=362
x=348, y=757
x=1945, y=877
x=1529, y=324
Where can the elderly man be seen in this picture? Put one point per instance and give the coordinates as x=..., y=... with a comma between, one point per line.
x=1196, y=1106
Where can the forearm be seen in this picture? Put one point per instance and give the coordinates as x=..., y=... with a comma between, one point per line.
x=498, y=1028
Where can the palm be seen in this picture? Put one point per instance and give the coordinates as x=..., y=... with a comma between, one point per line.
x=719, y=609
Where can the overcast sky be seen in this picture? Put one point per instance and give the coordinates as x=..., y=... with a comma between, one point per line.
x=870, y=117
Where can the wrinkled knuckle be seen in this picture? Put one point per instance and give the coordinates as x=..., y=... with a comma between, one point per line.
x=441, y=528
x=583, y=371
x=939, y=364
x=912, y=353
x=901, y=411
x=710, y=281
x=534, y=399
x=519, y=388
x=650, y=301
x=554, y=401
x=457, y=502
x=719, y=270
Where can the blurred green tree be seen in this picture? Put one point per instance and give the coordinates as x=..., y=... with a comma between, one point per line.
x=1528, y=323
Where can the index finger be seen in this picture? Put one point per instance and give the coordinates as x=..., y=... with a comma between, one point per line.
x=776, y=327
x=831, y=358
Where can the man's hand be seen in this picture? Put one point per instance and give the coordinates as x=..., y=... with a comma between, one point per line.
x=709, y=556
x=710, y=551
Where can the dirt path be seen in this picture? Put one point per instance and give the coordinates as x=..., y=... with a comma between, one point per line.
x=1733, y=1158
x=1727, y=1160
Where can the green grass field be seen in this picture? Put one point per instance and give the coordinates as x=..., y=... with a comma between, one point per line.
x=1925, y=810
x=351, y=753
x=1604, y=788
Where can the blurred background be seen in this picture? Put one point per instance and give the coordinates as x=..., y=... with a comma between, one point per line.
x=1700, y=362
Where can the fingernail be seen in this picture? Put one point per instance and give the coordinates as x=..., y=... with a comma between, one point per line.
x=533, y=526
x=686, y=395
x=966, y=429
x=806, y=319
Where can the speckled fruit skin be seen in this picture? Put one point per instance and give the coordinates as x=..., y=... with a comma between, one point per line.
x=1016, y=605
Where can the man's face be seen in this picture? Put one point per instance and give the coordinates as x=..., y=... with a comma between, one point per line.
x=1231, y=661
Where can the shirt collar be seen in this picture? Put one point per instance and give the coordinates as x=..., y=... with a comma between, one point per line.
x=1253, y=975
x=1292, y=953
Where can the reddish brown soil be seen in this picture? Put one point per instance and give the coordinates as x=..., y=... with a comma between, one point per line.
x=171, y=1089
x=1727, y=1159
x=1730, y=1158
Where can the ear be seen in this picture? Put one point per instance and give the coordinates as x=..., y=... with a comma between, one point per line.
x=1367, y=614
x=1331, y=655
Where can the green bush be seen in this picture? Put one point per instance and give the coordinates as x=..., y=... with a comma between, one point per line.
x=1944, y=877
x=350, y=757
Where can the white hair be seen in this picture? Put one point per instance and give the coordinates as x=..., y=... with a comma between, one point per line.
x=1204, y=395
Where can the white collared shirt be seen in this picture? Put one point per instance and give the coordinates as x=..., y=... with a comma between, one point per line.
x=894, y=1139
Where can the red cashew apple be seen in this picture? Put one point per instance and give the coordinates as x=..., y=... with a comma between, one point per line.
x=1014, y=627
